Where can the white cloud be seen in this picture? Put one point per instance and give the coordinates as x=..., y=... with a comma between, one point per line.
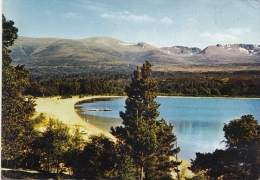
x=85, y=5
x=217, y=36
x=71, y=14
x=128, y=16
x=107, y=15
x=92, y=7
x=166, y=20
x=239, y=31
x=230, y=35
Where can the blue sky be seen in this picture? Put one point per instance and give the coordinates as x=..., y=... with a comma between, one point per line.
x=162, y=23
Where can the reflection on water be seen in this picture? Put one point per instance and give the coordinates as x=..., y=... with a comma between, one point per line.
x=101, y=119
x=101, y=122
x=198, y=137
x=198, y=122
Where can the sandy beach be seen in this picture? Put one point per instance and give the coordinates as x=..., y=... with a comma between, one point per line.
x=63, y=110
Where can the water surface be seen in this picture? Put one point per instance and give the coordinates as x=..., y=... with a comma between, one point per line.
x=198, y=122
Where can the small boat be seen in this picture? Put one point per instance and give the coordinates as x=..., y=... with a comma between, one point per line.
x=93, y=109
x=100, y=109
x=80, y=110
x=107, y=109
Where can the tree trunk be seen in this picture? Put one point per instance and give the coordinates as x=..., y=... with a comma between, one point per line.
x=141, y=173
x=57, y=166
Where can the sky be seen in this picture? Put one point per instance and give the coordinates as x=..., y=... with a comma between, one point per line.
x=162, y=23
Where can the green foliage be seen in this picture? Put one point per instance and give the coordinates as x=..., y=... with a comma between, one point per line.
x=201, y=175
x=241, y=159
x=125, y=168
x=75, y=85
x=100, y=158
x=214, y=84
x=15, y=109
x=38, y=119
x=148, y=141
x=53, y=145
x=9, y=33
x=77, y=141
x=73, y=155
x=215, y=92
x=97, y=159
x=204, y=91
x=241, y=132
x=244, y=83
x=222, y=163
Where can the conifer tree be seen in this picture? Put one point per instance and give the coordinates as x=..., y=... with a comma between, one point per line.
x=15, y=109
x=150, y=142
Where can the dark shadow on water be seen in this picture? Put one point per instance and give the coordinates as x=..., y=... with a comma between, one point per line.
x=103, y=123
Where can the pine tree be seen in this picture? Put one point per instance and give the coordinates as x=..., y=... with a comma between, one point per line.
x=150, y=142
x=15, y=109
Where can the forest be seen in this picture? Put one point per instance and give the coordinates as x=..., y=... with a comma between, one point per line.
x=145, y=147
x=207, y=84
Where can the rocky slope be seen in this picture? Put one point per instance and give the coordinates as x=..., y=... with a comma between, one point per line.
x=181, y=50
x=232, y=50
x=53, y=55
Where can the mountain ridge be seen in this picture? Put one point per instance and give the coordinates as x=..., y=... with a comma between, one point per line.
x=110, y=54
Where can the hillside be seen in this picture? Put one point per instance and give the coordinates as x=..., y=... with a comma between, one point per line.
x=54, y=55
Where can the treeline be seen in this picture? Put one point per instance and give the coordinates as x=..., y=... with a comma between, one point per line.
x=211, y=84
x=71, y=85
x=235, y=84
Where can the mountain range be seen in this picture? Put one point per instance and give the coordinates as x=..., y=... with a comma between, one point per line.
x=55, y=55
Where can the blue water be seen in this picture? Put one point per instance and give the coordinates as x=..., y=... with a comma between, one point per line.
x=198, y=122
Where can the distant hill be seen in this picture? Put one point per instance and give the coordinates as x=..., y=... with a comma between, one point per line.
x=181, y=50
x=232, y=49
x=54, y=55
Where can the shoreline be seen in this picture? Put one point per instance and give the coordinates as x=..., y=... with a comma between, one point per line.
x=64, y=110
x=217, y=97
